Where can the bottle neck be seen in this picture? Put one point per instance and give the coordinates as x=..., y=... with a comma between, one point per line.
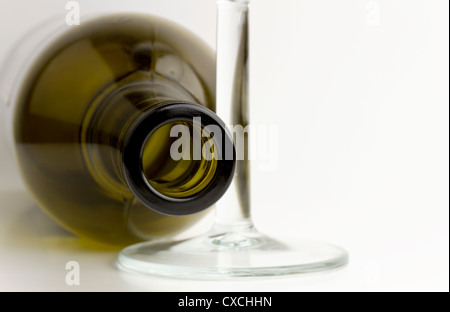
x=146, y=139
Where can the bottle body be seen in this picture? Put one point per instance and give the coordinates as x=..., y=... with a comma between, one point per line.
x=80, y=99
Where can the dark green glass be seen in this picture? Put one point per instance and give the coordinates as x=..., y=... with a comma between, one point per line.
x=92, y=129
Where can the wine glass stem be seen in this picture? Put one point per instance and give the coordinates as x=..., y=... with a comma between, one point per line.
x=232, y=105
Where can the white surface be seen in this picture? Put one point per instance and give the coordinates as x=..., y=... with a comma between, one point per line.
x=363, y=160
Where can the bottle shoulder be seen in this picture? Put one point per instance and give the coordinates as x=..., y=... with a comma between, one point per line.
x=87, y=59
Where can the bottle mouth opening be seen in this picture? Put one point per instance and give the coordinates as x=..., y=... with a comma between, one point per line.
x=179, y=159
x=173, y=161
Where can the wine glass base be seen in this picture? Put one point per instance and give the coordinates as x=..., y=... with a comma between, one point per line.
x=220, y=254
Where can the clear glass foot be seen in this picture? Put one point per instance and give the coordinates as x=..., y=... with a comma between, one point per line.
x=237, y=253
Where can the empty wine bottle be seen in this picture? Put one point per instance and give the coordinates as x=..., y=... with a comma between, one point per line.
x=98, y=118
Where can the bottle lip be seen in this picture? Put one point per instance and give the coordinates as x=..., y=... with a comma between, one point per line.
x=133, y=165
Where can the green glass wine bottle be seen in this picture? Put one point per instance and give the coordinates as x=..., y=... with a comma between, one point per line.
x=94, y=129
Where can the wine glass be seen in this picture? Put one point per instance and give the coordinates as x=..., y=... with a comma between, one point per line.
x=233, y=247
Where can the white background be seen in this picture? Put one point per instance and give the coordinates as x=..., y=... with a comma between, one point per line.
x=363, y=110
